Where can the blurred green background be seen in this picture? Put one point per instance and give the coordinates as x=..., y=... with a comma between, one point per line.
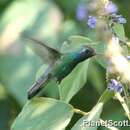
x=52, y=21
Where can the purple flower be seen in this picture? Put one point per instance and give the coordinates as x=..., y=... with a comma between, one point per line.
x=92, y=20
x=82, y=12
x=114, y=85
x=111, y=8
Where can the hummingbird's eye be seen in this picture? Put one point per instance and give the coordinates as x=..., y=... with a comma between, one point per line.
x=87, y=50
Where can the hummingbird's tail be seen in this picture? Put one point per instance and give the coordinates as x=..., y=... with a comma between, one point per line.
x=37, y=86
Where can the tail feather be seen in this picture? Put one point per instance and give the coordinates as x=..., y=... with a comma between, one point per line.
x=37, y=86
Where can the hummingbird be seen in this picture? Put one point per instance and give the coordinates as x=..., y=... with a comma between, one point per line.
x=59, y=64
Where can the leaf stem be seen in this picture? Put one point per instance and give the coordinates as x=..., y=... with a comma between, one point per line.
x=78, y=111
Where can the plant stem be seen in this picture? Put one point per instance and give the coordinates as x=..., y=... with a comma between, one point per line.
x=124, y=105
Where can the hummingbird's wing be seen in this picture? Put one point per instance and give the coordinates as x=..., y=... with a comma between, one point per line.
x=47, y=54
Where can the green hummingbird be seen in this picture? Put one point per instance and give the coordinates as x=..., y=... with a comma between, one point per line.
x=60, y=64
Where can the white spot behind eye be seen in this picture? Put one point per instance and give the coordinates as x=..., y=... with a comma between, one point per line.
x=84, y=50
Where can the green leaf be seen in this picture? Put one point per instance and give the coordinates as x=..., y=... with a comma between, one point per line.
x=101, y=60
x=93, y=116
x=100, y=50
x=106, y=96
x=74, y=82
x=79, y=39
x=67, y=29
x=95, y=77
x=74, y=42
x=119, y=30
x=43, y=114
